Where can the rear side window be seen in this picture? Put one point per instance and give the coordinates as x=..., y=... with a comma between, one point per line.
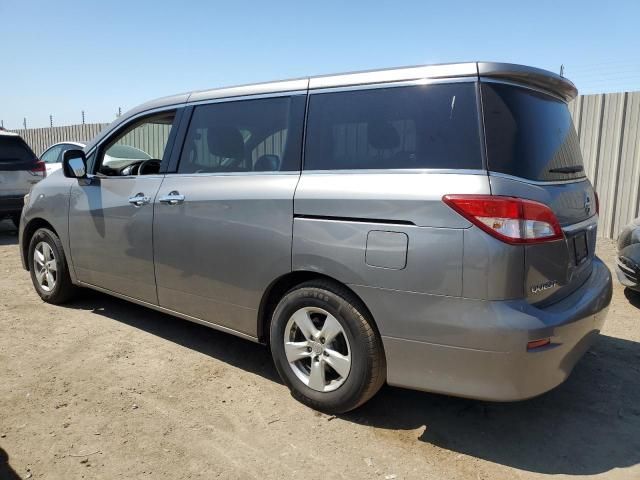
x=14, y=150
x=261, y=135
x=52, y=155
x=425, y=126
x=529, y=134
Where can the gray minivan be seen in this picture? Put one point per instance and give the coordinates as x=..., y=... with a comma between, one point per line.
x=430, y=227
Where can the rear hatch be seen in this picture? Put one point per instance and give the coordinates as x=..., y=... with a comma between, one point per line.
x=19, y=166
x=533, y=153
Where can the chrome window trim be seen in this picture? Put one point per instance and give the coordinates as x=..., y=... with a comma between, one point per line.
x=400, y=83
x=232, y=174
x=537, y=182
x=522, y=85
x=92, y=176
x=250, y=90
x=256, y=96
x=404, y=171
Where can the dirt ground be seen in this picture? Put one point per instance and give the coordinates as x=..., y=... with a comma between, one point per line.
x=101, y=388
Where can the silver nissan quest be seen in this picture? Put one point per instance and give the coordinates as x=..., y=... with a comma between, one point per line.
x=429, y=227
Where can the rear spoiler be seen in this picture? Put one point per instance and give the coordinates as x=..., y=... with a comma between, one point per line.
x=535, y=77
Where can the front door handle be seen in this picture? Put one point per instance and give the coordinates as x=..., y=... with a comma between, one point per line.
x=139, y=200
x=173, y=198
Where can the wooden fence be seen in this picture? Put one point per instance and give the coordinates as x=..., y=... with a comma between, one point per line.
x=608, y=126
x=39, y=139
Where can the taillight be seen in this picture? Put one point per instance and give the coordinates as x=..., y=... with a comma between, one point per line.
x=39, y=168
x=510, y=219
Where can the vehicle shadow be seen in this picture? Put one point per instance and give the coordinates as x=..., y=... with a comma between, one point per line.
x=6, y=472
x=8, y=233
x=588, y=425
x=222, y=346
x=633, y=297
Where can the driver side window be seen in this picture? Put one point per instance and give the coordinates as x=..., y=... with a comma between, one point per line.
x=142, y=143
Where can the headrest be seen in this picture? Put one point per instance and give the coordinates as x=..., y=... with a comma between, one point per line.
x=225, y=141
x=267, y=163
x=382, y=135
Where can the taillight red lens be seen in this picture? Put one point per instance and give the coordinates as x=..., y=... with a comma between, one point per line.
x=39, y=168
x=510, y=219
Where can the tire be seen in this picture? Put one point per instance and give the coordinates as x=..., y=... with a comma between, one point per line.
x=358, y=342
x=61, y=289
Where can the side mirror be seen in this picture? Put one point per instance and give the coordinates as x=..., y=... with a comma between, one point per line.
x=74, y=164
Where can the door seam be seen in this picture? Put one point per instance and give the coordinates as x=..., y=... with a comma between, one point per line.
x=153, y=236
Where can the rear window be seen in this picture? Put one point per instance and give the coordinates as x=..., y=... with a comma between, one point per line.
x=425, y=126
x=14, y=150
x=529, y=134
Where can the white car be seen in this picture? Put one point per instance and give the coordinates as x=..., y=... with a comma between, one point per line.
x=52, y=156
x=119, y=155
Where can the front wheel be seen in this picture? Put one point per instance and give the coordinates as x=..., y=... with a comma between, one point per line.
x=48, y=267
x=326, y=348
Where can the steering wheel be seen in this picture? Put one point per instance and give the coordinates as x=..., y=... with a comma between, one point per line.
x=153, y=164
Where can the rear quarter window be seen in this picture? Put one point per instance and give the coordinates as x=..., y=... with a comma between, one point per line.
x=529, y=134
x=415, y=127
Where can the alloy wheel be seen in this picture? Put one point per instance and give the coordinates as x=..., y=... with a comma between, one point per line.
x=317, y=349
x=46, y=266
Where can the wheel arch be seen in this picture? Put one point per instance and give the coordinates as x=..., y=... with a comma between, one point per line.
x=276, y=290
x=30, y=228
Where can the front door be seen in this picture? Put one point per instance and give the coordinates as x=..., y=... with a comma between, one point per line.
x=224, y=219
x=111, y=212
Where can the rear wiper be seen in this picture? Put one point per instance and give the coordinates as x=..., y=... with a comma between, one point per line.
x=573, y=169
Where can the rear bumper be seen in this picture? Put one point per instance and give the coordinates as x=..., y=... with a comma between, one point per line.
x=11, y=204
x=477, y=349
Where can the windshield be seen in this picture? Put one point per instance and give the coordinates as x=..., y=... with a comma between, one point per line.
x=529, y=134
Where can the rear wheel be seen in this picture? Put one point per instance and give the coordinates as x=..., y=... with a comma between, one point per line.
x=326, y=347
x=48, y=267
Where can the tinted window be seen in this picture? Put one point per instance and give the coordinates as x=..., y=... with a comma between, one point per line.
x=529, y=134
x=14, y=150
x=426, y=126
x=244, y=136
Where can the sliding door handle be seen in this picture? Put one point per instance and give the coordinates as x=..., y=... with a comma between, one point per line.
x=139, y=200
x=173, y=198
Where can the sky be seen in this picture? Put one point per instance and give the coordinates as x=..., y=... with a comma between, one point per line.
x=62, y=57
